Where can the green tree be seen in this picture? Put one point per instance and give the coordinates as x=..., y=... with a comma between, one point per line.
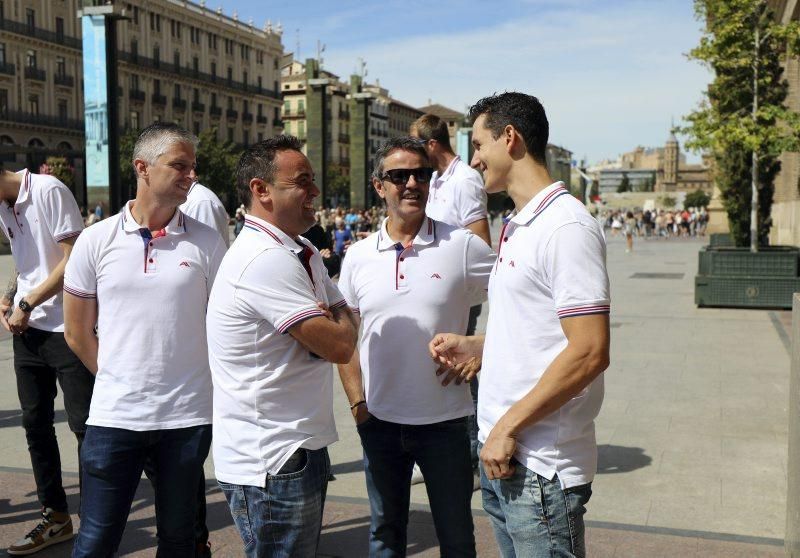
x=216, y=166
x=338, y=184
x=127, y=176
x=61, y=169
x=625, y=184
x=738, y=121
x=667, y=201
x=697, y=199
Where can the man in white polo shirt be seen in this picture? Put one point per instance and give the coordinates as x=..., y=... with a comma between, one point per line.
x=546, y=343
x=275, y=322
x=413, y=277
x=143, y=276
x=41, y=220
x=205, y=206
x=457, y=198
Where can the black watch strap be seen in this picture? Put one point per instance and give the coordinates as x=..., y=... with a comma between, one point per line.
x=24, y=306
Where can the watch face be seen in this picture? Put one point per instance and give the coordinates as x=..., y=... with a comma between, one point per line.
x=24, y=306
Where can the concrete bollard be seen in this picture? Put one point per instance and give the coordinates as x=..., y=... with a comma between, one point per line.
x=792, y=540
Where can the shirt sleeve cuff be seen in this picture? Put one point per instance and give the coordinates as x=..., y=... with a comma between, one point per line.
x=78, y=292
x=293, y=319
x=583, y=310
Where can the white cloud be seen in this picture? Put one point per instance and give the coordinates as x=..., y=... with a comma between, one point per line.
x=610, y=78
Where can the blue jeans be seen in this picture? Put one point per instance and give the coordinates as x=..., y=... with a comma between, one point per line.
x=534, y=517
x=442, y=452
x=284, y=518
x=113, y=460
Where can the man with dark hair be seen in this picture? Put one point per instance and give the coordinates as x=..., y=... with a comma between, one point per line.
x=205, y=206
x=41, y=220
x=546, y=342
x=413, y=277
x=457, y=198
x=152, y=398
x=275, y=322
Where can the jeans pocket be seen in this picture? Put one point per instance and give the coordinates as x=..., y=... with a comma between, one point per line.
x=294, y=467
x=237, y=501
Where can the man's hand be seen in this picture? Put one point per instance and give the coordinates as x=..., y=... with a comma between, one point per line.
x=5, y=309
x=497, y=452
x=361, y=414
x=18, y=321
x=451, y=349
x=325, y=253
x=461, y=373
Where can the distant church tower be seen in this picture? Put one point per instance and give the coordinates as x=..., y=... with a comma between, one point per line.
x=671, y=159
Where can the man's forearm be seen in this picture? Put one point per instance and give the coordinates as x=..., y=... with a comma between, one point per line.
x=352, y=382
x=85, y=346
x=11, y=288
x=566, y=377
x=47, y=289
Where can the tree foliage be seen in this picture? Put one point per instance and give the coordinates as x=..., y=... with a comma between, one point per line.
x=61, y=169
x=625, y=184
x=338, y=184
x=696, y=198
x=724, y=124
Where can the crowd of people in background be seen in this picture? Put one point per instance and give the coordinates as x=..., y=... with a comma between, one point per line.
x=689, y=222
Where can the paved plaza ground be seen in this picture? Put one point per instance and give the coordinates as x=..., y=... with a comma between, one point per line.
x=692, y=436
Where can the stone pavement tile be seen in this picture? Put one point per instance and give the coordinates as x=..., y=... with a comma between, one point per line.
x=768, y=446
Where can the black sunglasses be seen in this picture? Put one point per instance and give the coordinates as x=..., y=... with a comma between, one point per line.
x=399, y=177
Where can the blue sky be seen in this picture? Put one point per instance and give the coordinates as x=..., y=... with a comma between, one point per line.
x=610, y=73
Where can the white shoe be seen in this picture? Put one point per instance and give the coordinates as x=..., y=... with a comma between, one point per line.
x=416, y=476
x=55, y=527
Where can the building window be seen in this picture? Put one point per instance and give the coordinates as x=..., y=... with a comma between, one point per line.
x=230, y=103
x=301, y=106
x=260, y=137
x=213, y=99
x=260, y=110
x=2, y=53
x=259, y=84
x=30, y=19
x=214, y=70
x=33, y=105
x=135, y=82
x=244, y=78
x=177, y=91
x=30, y=58
x=60, y=28
x=196, y=126
x=245, y=106
x=156, y=55
x=152, y=21
x=230, y=135
x=196, y=64
x=301, y=129
x=62, y=109
x=136, y=15
x=61, y=66
x=3, y=102
x=134, y=49
x=176, y=60
x=230, y=75
x=134, y=120
x=2, y=12
x=196, y=95
x=157, y=86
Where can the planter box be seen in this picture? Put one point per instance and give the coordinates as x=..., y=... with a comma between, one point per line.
x=771, y=261
x=745, y=292
x=721, y=239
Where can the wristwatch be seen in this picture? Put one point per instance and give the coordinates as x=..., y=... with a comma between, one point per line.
x=24, y=306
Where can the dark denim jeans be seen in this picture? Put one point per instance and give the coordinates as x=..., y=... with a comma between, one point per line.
x=284, y=518
x=534, y=517
x=40, y=359
x=472, y=324
x=113, y=460
x=442, y=452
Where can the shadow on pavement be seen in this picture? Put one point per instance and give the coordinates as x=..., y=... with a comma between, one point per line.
x=619, y=459
x=349, y=467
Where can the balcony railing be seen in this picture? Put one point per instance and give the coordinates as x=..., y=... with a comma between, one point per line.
x=170, y=68
x=215, y=111
x=65, y=80
x=159, y=99
x=35, y=73
x=232, y=114
x=247, y=117
x=198, y=107
x=179, y=104
x=136, y=95
x=39, y=33
x=277, y=122
x=41, y=120
x=8, y=69
x=261, y=119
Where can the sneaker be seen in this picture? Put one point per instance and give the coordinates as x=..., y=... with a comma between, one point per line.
x=55, y=527
x=416, y=476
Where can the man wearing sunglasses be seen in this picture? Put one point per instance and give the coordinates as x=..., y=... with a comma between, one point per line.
x=406, y=281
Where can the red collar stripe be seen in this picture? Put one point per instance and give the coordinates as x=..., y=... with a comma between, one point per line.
x=262, y=228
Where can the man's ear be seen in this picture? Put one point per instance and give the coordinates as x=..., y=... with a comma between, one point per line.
x=140, y=166
x=259, y=190
x=378, y=185
x=513, y=139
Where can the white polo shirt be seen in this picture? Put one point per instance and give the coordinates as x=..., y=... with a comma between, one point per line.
x=44, y=214
x=457, y=196
x=551, y=265
x=271, y=395
x=405, y=295
x=203, y=205
x=151, y=296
